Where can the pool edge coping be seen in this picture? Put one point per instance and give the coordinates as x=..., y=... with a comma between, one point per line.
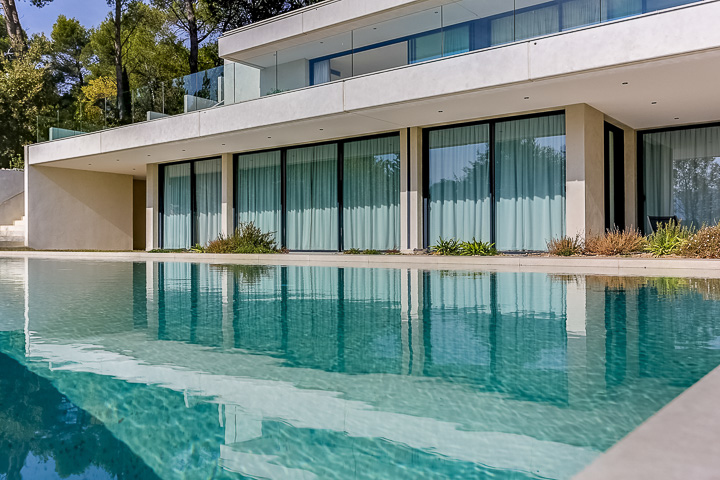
x=676, y=267
x=652, y=450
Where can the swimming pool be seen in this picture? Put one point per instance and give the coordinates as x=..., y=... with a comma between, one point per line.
x=218, y=371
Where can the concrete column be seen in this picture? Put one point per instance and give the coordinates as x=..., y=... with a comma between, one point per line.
x=151, y=287
x=576, y=318
x=152, y=205
x=631, y=172
x=415, y=193
x=227, y=222
x=404, y=191
x=585, y=183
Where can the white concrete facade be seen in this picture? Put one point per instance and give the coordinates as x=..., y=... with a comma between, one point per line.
x=597, y=74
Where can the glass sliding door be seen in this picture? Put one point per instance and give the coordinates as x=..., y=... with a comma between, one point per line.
x=459, y=183
x=312, y=198
x=191, y=203
x=682, y=175
x=177, y=206
x=208, y=199
x=529, y=182
x=258, y=190
x=371, y=194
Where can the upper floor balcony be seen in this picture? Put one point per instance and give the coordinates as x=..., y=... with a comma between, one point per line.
x=338, y=40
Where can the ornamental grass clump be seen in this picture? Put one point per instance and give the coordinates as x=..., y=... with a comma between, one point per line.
x=247, y=239
x=565, y=246
x=616, y=242
x=446, y=247
x=477, y=249
x=668, y=239
x=705, y=243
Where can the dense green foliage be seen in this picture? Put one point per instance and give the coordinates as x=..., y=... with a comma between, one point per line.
x=668, y=239
x=456, y=247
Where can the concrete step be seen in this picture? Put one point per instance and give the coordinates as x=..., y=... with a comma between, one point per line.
x=11, y=241
x=20, y=223
x=12, y=230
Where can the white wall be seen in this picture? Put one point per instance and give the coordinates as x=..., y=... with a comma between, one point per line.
x=78, y=210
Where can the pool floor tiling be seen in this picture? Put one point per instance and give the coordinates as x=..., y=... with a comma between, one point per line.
x=179, y=370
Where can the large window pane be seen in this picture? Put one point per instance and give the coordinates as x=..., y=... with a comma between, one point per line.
x=312, y=199
x=682, y=175
x=533, y=20
x=257, y=193
x=459, y=184
x=530, y=182
x=371, y=194
x=208, y=174
x=176, y=206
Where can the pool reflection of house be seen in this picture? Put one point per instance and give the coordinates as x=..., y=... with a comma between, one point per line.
x=373, y=124
x=343, y=355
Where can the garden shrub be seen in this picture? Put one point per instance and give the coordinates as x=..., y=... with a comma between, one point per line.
x=476, y=248
x=446, y=247
x=705, y=243
x=616, y=242
x=565, y=246
x=247, y=239
x=668, y=239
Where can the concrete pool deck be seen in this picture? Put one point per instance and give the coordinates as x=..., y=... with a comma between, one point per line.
x=625, y=266
x=681, y=441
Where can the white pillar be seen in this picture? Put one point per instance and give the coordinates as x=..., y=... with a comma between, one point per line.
x=152, y=204
x=585, y=182
x=415, y=193
x=227, y=222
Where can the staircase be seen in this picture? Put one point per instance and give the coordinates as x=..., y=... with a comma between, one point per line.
x=13, y=235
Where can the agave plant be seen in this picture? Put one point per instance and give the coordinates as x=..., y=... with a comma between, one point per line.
x=475, y=248
x=446, y=247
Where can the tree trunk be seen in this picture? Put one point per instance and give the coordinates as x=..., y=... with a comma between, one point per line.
x=117, y=21
x=12, y=21
x=193, y=34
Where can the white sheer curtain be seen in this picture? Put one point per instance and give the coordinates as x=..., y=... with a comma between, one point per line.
x=371, y=194
x=257, y=193
x=459, y=183
x=578, y=13
x=425, y=47
x=530, y=182
x=537, y=22
x=321, y=72
x=176, y=206
x=682, y=175
x=620, y=8
x=208, y=200
x=456, y=40
x=312, y=198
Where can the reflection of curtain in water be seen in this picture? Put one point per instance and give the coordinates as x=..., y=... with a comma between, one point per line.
x=258, y=321
x=372, y=285
x=175, y=301
x=459, y=319
x=321, y=72
x=371, y=194
x=577, y=13
x=312, y=200
x=682, y=174
x=530, y=182
x=258, y=191
x=208, y=199
x=208, y=313
x=176, y=206
x=531, y=347
x=537, y=22
x=459, y=180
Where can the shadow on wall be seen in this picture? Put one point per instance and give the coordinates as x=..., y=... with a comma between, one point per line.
x=12, y=198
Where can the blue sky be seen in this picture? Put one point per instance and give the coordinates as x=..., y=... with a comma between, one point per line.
x=36, y=20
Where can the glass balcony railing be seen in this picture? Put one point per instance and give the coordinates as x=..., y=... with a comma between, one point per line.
x=457, y=27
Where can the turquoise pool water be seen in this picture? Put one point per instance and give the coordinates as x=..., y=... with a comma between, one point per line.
x=195, y=371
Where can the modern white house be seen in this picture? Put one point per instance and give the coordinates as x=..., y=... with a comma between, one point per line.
x=387, y=124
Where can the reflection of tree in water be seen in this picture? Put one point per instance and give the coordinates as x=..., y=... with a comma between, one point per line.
x=36, y=419
x=696, y=189
x=246, y=274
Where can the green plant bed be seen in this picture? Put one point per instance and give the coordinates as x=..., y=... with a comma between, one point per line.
x=455, y=247
x=247, y=239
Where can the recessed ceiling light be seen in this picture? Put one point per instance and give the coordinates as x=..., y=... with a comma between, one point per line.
x=89, y=164
x=183, y=149
x=223, y=144
x=624, y=83
x=374, y=28
x=322, y=129
x=269, y=137
x=440, y=111
x=677, y=118
x=149, y=155
x=133, y=169
x=322, y=42
x=117, y=160
x=527, y=98
x=653, y=103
